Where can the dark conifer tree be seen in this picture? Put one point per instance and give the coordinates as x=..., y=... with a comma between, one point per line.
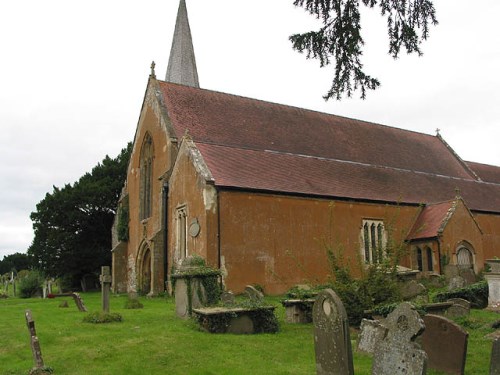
x=339, y=39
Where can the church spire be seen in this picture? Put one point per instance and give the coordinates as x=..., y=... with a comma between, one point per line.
x=182, y=63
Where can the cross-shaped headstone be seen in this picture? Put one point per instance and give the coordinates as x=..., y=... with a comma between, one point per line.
x=105, y=279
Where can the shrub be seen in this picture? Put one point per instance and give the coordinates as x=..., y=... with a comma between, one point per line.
x=133, y=303
x=30, y=284
x=102, y=317
x=476, y=294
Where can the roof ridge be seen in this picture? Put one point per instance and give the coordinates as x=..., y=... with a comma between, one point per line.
x=459, y=159
x=348, y=162
x=303, y=109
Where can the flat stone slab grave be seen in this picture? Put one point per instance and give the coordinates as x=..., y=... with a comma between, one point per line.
x=298, y=310
x=445, y=344
x=237, y=320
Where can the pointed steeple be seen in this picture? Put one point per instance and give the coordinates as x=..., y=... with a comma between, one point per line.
x=182, y=63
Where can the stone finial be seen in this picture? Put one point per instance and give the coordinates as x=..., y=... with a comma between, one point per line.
x=153, y=74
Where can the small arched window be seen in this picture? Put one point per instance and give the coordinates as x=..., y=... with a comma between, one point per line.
x=420, y=263
x=430, y=265
x=146, y=176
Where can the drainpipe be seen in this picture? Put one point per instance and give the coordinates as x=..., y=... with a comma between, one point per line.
x=219, y=262
x=165, y=233
x=439, y=256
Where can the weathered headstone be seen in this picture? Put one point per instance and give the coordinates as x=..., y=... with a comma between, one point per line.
x=370, y=335
x=64, y=304
x=105, y=280
x=79, y=302
x=332, y=342
x=445, y=344
x=460, y=307
x=495, y=358
x=411, y=289
x=253, y=294
x=456, y=282
x=227, y=298
x=35, y=344
x=398, y=353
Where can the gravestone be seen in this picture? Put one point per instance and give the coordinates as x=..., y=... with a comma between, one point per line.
x=79, y=302
x=332, y=342
x=445, y=344
x=105, y=280
x=456, y=282
x=371, y=333
x=397, y=353
x=35, y=344
x=411, y=289
x=253, y=294
x=227, y=298
x=460, y=307
x=64, y=304
x=189, y=290
x=495, y=358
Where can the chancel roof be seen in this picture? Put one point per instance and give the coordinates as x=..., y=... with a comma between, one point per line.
x=252, y=144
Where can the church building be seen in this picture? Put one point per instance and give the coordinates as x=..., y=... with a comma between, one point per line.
x=261, y=190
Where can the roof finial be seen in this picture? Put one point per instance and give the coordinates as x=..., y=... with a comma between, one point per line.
x=182, y=63
x=457, y=192
x=437, y=131
x=153, y=74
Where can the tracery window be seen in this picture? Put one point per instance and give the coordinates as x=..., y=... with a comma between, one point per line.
x=373, y=241
x=146, y=176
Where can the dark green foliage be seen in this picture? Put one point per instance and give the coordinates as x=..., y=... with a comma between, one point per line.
x=264, y=320
x=102, y=317
x=16, y=261
x=41, y=371
x=340, y=37
x=133, y=303
x=30, y=284
x=123, y=219
x=377, y=285
x=72, y=225
x=476, y=294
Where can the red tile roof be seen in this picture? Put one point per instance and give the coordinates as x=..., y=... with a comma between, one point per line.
x=252, y=144
x=431, y=221
x=487, y=173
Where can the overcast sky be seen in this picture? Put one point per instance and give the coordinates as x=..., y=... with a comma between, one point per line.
x=73, y=75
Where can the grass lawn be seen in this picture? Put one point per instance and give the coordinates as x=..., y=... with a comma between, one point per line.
x=153, y=341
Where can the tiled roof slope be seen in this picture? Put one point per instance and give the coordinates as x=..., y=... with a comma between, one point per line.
x=431, y=220
x=253, y=144
x=487, y=173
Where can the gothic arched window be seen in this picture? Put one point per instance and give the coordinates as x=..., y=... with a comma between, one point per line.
x=146, y=176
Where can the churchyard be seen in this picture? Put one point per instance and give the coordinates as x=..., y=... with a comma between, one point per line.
x=154, y=340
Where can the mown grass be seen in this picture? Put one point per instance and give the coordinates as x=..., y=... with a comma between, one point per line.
x=153, y=340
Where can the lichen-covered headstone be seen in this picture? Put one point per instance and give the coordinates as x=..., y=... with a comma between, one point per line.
x=445, y=344
x=371, y=333
x=398, y=353
x=227, y=298
x=460, y=307
x=332, y=341
x=254, y=294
